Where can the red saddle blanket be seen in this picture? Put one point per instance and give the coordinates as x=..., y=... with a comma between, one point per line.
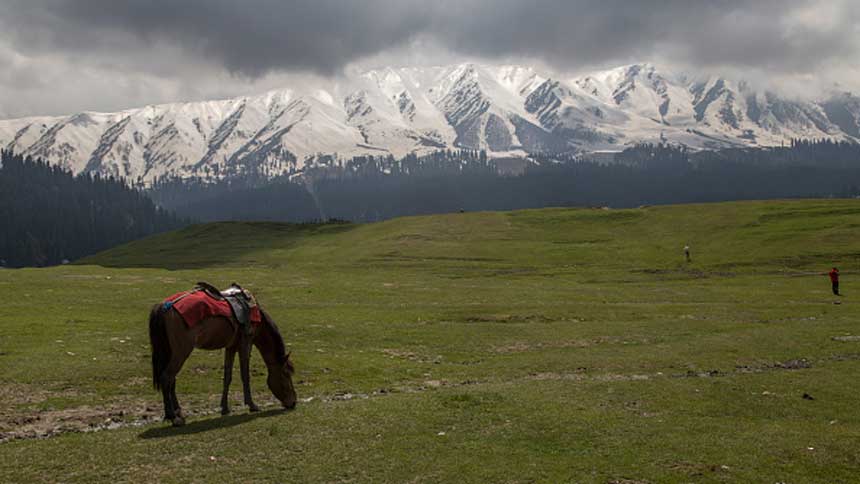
x=195, y=306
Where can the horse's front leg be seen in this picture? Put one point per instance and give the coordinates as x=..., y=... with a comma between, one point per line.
x=229, y=355
x=245, y=367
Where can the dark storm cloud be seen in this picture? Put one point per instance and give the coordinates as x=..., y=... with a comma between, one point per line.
x=248, y=36
x=735, y=32
x=58, y=56
x=257, y=36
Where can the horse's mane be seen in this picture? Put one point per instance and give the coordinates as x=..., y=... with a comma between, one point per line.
x=277, y=340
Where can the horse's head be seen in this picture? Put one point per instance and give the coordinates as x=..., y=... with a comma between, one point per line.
x=281, y=369
x=280, y=382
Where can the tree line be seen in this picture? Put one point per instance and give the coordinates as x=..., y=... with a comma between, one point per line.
x=370, y=188
x=48, y=216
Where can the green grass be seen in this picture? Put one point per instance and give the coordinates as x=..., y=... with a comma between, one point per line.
x=553, y=345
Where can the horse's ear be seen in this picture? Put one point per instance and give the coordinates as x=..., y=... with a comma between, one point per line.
x=287, y=357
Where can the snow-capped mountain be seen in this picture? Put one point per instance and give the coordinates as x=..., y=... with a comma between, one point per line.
x=505, y=110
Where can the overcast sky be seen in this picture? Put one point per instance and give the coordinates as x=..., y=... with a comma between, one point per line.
x=62, y=56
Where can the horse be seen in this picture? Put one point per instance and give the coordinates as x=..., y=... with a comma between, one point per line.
x=172, y=341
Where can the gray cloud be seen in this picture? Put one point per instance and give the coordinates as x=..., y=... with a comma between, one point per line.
x=255, y=36
x=249, y=37
x=707, y=32
x=167, y=43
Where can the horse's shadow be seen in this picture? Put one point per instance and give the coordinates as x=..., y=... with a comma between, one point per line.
x=206, y=425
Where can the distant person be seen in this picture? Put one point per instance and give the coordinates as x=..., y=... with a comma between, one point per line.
x=687, y=253
x=834, y=280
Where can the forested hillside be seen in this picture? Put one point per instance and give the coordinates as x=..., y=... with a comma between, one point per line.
x=370, y=188
x=47, y=215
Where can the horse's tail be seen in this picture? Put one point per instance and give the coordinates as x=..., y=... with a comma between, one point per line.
x=159, y=342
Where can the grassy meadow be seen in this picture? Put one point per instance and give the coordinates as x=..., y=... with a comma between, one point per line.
x=538, y=346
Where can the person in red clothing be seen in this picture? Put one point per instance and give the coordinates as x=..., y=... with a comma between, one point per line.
x=834, y=280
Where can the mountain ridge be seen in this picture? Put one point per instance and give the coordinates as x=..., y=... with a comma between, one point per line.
x=507, y=110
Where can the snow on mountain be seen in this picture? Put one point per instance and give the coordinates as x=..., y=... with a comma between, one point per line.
x=486, y=107
x=70, y=141
x=19, y=134
x=576, y=117
x=506, y=110
x=844, y=111
x=702, y=113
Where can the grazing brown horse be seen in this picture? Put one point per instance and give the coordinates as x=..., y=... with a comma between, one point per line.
x=173, y=340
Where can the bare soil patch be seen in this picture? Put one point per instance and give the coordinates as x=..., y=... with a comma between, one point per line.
x=85, y=418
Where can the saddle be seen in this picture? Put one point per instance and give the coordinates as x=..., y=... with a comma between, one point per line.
x=240, y=301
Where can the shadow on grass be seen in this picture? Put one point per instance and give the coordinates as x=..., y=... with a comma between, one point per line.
x=199, y=426
x=214, y=245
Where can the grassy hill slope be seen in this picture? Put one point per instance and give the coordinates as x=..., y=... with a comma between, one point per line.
x=551, y=345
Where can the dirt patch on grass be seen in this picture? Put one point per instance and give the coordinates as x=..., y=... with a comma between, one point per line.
x=30, y=412
x=552, y=376
x=520, y=346
x=704, y=374
x=85, y=418
x=510, y=318
x=798, y=364
x=697, y=469
x=411, y=356
x=846, y=339
x=582, y=376
x=40, y=424
x=793, y=364
x=17, y=394
x=138, y=381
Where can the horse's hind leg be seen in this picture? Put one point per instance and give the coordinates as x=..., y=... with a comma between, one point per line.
x=244, y=365
x=172, y=410
x=177, y=410
x=166, y=394
x=229, y=355
x=180, y=350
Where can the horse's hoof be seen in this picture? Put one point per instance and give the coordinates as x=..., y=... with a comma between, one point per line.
x=253, y=408
x=178, y=421
x=225, y=411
